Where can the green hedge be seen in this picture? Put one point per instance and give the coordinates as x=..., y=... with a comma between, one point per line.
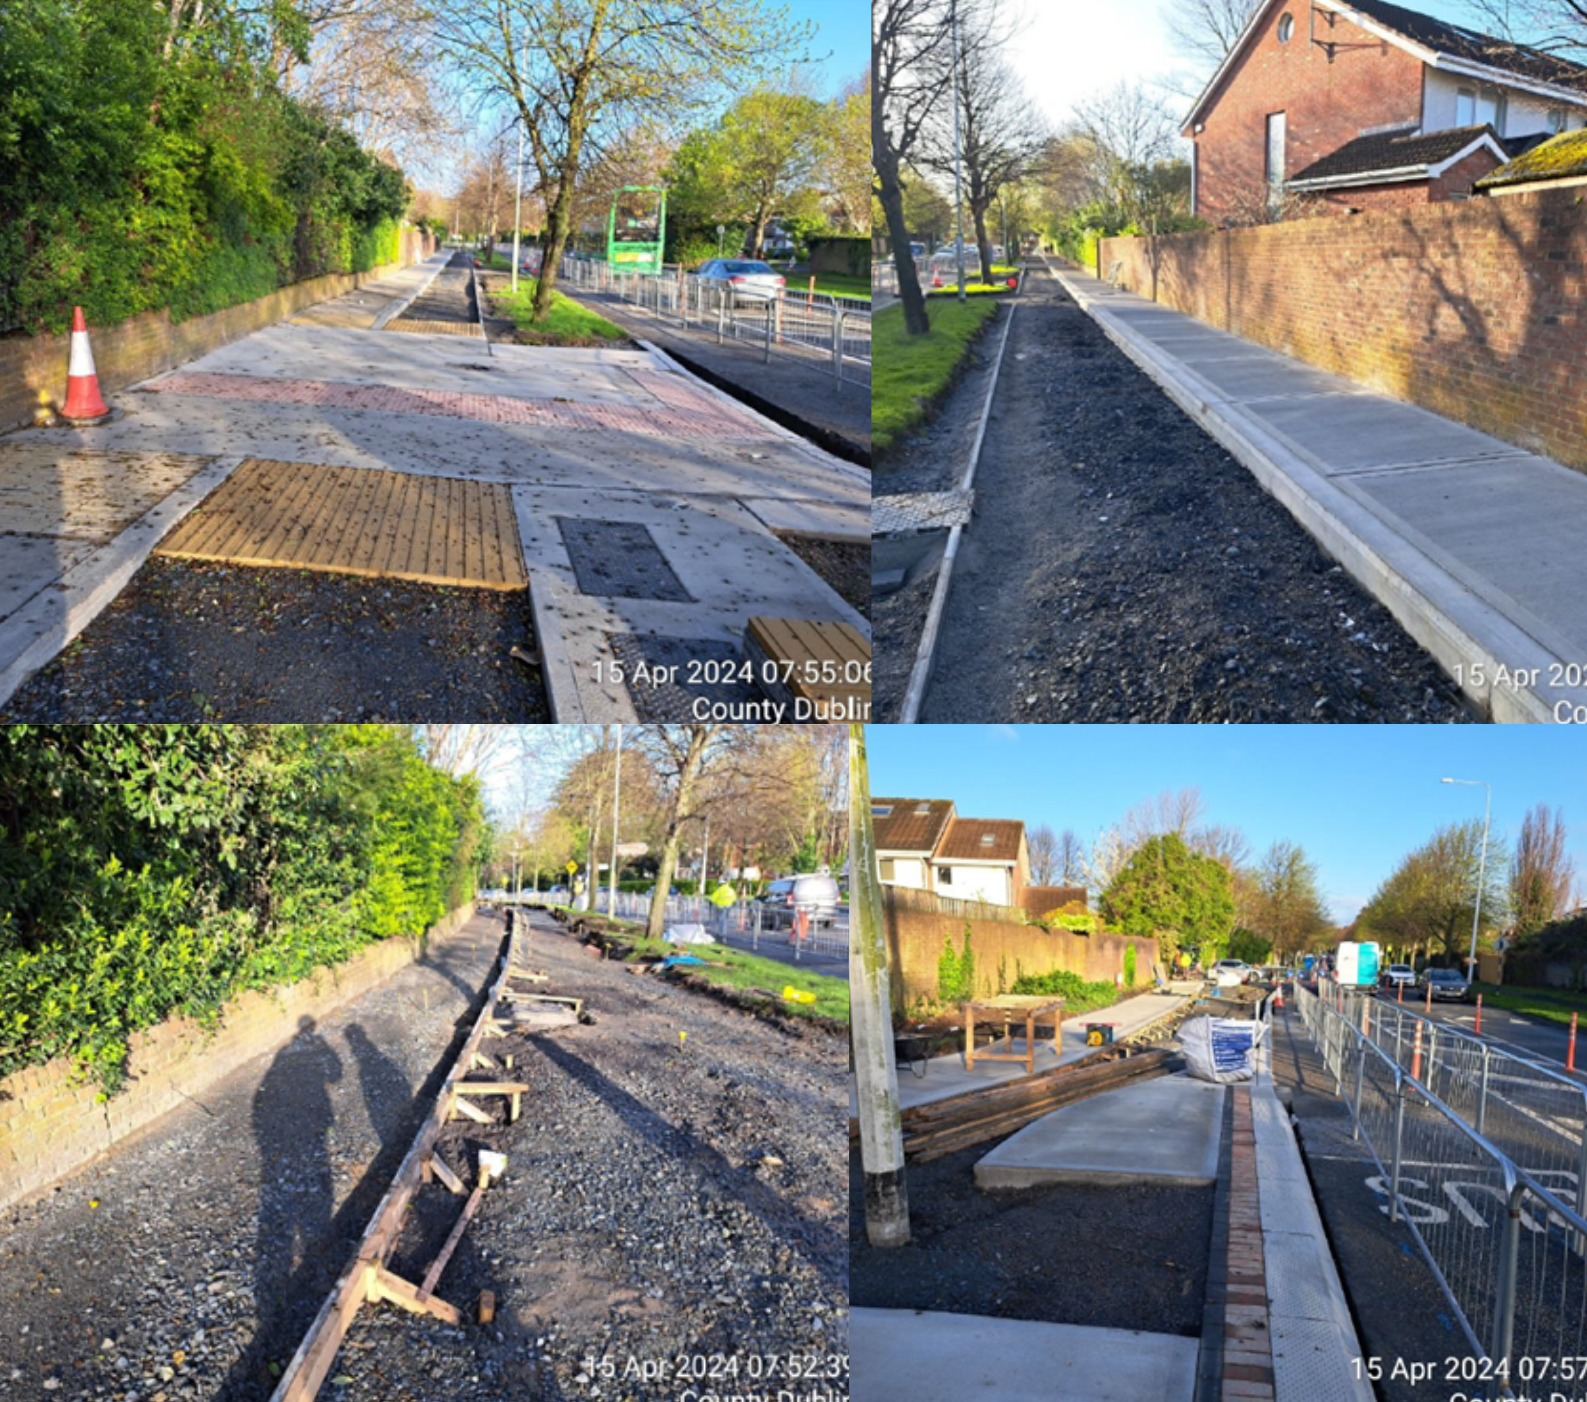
x=151, y=871
x=132, y=180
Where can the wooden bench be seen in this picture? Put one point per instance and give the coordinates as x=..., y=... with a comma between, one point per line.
x=821, y=671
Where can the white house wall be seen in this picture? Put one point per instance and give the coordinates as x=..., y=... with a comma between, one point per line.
x=976, y=884
x=1524, y=113
x=907, y=871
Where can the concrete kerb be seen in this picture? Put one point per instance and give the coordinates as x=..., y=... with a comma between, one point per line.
x=43, y=626
x=1455, y=626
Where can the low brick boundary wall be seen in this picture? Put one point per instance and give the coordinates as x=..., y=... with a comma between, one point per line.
x=33, y=368
x=1475, y=309
x=51, y=1124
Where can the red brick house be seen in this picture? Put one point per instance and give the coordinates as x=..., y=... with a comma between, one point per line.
x=1328, y=106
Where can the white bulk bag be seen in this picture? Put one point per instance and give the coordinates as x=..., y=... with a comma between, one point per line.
x=1220, y=1049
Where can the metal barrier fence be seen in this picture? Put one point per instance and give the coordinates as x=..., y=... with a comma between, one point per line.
x=808, y=326
x=1497, y=1230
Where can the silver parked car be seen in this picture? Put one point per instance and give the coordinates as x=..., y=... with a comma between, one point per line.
x=748, y=279
x=1447, y=984
x=783, y=900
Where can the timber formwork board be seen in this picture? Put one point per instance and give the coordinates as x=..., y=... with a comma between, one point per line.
x=368, y=1277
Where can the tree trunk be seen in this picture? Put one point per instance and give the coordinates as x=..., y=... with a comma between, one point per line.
x=871, y=1028
x=983, y=243
x=916, y=322
x=559, y=219
x=678, y=814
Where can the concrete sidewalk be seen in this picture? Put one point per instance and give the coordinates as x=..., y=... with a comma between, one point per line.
x=946, y=1075
x=1472, y=543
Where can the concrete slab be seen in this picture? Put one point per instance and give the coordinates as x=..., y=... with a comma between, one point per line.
x=1354, y=431
x=446, y=447
x=1469, y=517
x=946, y=1075
x=731, y=566
x=1261, y=375
x=1160, y=1130
x=825, y=520
x=48, y=490
x=29, y=563
x=909, y=1356
x=592, y=375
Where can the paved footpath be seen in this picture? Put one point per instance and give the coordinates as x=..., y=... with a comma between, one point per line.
x=643, y=501
x=1472, y=543
x=220, y=1228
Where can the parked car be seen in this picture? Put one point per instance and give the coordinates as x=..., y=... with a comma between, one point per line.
x=1227, y=972
x=1397, y=976
x=1448, y=984
x=749, y=279
x=783, y=900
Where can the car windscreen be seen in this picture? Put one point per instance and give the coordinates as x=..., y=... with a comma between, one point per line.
x=746, y=267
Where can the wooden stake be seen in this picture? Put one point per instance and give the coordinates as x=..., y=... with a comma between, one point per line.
x=445, y=1174
x=383, y=1285
x=438, y=1265
x=464, y=1107
x=487, y=1306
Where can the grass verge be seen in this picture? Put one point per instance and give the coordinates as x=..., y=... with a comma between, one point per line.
x=567, y=323
x=909, y=373
x=1547, y=1003
x=840, y=283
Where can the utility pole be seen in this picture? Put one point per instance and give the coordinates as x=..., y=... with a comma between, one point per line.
x=617, y=793
x=705, y=854
x=517, y=208
x=871, y=1028
x=958, y=179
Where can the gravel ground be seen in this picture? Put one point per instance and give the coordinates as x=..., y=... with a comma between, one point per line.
x=1122, y=567
x=449, y=297
x=897, y=620
x=188, y=641
x=220, y=1228
x=657, y=1203
x=846, y=567
x=1118, y=1258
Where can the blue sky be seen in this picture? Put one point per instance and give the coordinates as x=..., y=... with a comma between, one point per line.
x=1357, y=798
x=1069, y=53
x=843, y=36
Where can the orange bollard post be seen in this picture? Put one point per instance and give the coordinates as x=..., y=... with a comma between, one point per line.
x=1570, y=1056
x=1429, y=1007
x=1416, y=1055
x=1478, y=1028
x=1399, y=990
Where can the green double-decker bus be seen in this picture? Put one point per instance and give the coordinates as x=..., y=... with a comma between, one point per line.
x=636, y=229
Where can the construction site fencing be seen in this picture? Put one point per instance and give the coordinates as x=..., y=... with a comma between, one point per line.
x=814, y=327
x=1499, y=1232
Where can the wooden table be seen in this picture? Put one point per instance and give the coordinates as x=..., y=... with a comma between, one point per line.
x=1010, y=1007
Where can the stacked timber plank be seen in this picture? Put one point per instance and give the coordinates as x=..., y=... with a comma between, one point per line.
x=945, y=1126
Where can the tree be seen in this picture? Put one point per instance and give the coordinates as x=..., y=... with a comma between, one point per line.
x=578, y=72
x=1166, y=886
x=1287, y=907
x=1426, y=902
x=996, y=133
x=847, y=167
x=1042, y=843
x=681, y=754
x=1071, y=858
x=1542, y=874
x=760, y=160
x=1205, y=30
x=910, y=74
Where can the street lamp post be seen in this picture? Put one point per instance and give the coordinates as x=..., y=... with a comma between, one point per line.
x=1482, y=869
x=958, y=197
x=517, y=207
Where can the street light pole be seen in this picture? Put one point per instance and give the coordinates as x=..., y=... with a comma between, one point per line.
x=517, y=208
x=617, y=793
x=1482, y=869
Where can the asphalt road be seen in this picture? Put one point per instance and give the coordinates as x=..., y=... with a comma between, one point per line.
x=1526, y=1036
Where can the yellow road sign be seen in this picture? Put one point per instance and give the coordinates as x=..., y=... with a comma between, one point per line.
x=572, y=867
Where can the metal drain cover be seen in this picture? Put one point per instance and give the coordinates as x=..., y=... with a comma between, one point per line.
x=664, y=690
x=619, y=560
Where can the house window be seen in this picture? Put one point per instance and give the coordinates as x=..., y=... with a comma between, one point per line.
x=1556, y=119
x=1286, y=27
x=881, y=810
x=922, y=810
x=1475, y=106
x=987, y=839
x=1275, y=160
x=944, y=876
x=887, y=868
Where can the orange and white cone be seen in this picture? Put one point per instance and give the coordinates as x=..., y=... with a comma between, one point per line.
x=84, y=403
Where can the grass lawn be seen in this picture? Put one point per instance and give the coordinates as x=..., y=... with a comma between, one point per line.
x=740, y=969
x=839, y=283
x=566, y=324
x=1551, y=1004
x=909, y=372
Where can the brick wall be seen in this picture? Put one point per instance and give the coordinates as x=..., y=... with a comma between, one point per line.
x=51, y=1124
x=1474, y=309
x=1369, y=83
x=33, y=368
x=916, y=934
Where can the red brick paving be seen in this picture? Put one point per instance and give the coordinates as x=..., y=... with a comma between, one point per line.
x=682, y=411
x=1247, y=1347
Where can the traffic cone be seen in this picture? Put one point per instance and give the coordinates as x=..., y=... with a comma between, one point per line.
x=84, y=404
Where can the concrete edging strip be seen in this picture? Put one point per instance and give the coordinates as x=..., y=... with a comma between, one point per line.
x=38, y=631
x=402, y=304
x=925, y=655
x=1451, y=623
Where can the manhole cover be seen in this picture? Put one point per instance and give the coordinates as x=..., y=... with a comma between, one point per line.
x=666, y=676
x=619, y=560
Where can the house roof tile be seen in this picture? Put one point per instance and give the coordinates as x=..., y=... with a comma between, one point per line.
x=910, y=824
x=966, y=840
x=1393, y=150
x=1469, y=44
x=1558, y=158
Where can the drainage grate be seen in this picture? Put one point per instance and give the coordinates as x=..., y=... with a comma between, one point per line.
x=619, y=560
x=663, y=691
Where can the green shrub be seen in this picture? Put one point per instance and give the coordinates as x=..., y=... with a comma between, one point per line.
x=948, y=973
x=1129, y=966
x=1078, y=995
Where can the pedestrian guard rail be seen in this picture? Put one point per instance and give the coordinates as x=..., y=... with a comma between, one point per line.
x=1480, y=1154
